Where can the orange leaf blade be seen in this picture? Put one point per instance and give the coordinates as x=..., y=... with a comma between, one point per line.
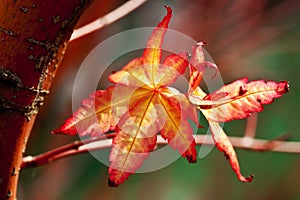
x=224, y=145
x=92, y=118
x=241, y=98
x=132, y=74
x=144, y=70
x=177, y=130
x=174, y=66
x=135, y=139
x=198, y=64
x=127, y=156
x=152, y=53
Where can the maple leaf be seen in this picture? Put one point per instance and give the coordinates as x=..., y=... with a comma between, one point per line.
x=236, y=100
x=140, y=105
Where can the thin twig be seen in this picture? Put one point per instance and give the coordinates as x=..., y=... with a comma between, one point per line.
x=61, y=152
x=98, y=143
x=251, y=126
x=273, y=143
x=250, y=130
x=111, y=17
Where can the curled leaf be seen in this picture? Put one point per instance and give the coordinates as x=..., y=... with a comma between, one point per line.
x=198, y=64
x=224, y=145
x=233, y=101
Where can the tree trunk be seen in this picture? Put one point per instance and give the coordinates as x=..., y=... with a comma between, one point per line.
x=33, y=37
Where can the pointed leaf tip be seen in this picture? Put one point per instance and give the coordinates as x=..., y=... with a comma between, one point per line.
x=191, y=158
x=93, y=117
x=111, y=183
x=247, y=179
x=283, y=87
x=169, y=10
x=235, y=166
x=201, y=43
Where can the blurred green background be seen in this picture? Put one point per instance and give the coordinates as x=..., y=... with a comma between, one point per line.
x=255, y=39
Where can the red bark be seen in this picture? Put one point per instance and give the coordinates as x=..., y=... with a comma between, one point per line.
x=33, y=36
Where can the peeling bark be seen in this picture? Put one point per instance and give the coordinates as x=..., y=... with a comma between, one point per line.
x=33, y=37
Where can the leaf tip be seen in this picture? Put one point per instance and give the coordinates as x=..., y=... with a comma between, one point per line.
x=246, y=179
x=62, y=130
x=191, y=158
x=283, y=87
x=54, y=132
x=169, y=10
x=201, y=43
x=67, y=128
x=191, y=154
x=111, y=183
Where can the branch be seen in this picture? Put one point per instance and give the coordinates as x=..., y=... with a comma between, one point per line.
x=33, y=41
x=251, y=126
x=76, y=147
x=111, y=17
x=103, y=142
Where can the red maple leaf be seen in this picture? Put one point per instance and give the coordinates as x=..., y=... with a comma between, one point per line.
x=138, y=107
x=236, y=100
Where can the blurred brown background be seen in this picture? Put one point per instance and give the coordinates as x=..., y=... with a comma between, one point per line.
x=256, y=39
